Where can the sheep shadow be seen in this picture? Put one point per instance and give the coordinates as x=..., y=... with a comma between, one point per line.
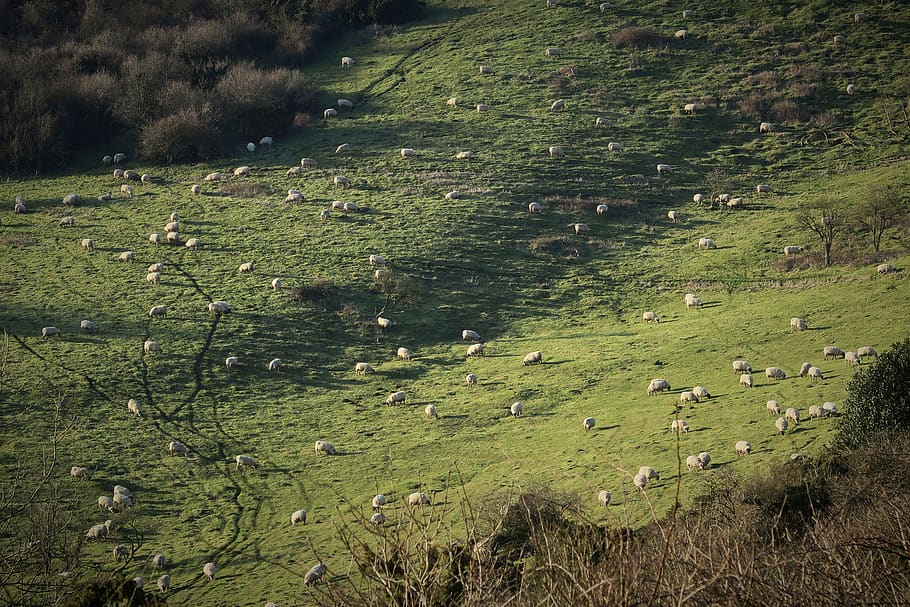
x=711, y=304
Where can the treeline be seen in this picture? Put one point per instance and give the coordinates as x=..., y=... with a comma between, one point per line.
x=182, y=79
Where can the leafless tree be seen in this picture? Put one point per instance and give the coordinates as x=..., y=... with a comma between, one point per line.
x=825, y=220
x=880, y=209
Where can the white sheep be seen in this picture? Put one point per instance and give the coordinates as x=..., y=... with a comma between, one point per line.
x=298, y=516
x=764, y=188
x=196, y=189
x=418, y=499
x=219, y=307
x=294, y=196
x=867, y=351
x=88, y=326
x=452, y=102
x=107, y=159
x=67, y=221
x=551, y=52
x=664, y=169
x=604, y=497
x=121, y=552
x=363, y=368
x=150, y=346
x=96, y=532
x=833, y=352
x=688, y=397
x=679, y=425
x=742, y=366
x=384, y=323
x=688, y=14
x=275, y=364
x=781, y=424
x=681, y=34
x=404, y=354
x=614, y=147
x=453, y=195
x=71, y=200
x=793, y=250
x=804, y=369
x=325, y=447
x=693, y=463
x=106, y=502
x=814, y=373
x=81, y=473
x=735, y=203
x=830, y=407
x=155, y=238
x=555, y=151
x=650, y=317
x=164, y=583
x=231, y=362
x=470, y=379
x=379, y=500
x=475, y=350
x=123, y=501
x=516, y=409
x=172, y=226
x=469, y=335
x=430, y=411
x=674, y=216
x=159, y=310
x=245, y=461
x=640, y=481
x=773, y=407
x=885, y=268
x=19, y=206
x=746, y=380
x=706, y=243
x=344, y=148
x=276, y=284
x=378, y=518
x=158, y=561
x=559, y=104
x=533, y=357
x=175, y=447
x=174, y=238
x=153, y=278
x=349, y=207
x=346, y=62
x=775, y=373
x=792, y=415
x=482, y=107
x=602, y=209
x=588, y=423
x=126, y=190
x=657, y=385
x=209, y=570
x=689, y=108
x=798, y=324
x=407, y=152
x=604, y=7
x=534, y=207
x=308, y=163
x=691, y=300
x=134, y=406
x=852, y=358
x=246, y=267
x=601, y=121
x=580, y=228
x=330, y=113
x=344, y=104
x=118, y=173
x=396, y=397
x=314, y=574
x=840, y=40
x=817, y=412
x=487, y=70
x=294, y=171
x=860, y=17
x=88, y=244
x=701, y=392
x=765, y=127
x=463, y=155
x=213, y=177
x=743, y=447
x=242, y=171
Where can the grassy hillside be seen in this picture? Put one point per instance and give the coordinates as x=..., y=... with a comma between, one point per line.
x=524, y=282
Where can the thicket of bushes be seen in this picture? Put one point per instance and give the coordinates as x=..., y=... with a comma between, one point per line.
x=182, y=80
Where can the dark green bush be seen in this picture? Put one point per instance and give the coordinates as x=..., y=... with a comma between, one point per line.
x=185, y=135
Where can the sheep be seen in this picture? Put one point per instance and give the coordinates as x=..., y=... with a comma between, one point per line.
x=121, y=490
x=67, y=221
x=164, y=583
x=602, y=209
x=722, y=198
x=792, y=415
x=340, y=181
x=298, y=516
x=559, y=104
x=337, y=205
x=678, y=425
x=588, y=423
x=833, y=352
x=196, y=189
x=344, y=148
x=463, y=155
x=325, y=447
x=275, y=364
x=482, y=107
x=689, y=108
x=246, y=267
x=640, y=481
x=107, y=160
x=705, y=458
x=155, y=267
x=172, y=226
x=469, y=335
x=885, y=268
x=363, y=368
x=294, y=196
x=407, y=152
x=330, y=113
x=379, y=500
x=159, y=310
x=604, y=7
x=840, y=40
x=158, y=561
x=209, y=570
x=487, y=70
x=453, y=195
x=551, y=52
x=860, y=17
x=151, y=346
x=475, y=350
x=817, y=412
x=692, y=300
x=118, y=173
x=830, y=407
x=19, y=206
x=80, y=473
x=764, y=188
x=701, y=392
x=344, y=104
x=349, y=207
x=418, y=499
x=134, y=406
x=121, y=552
x=773, y=407
x=88, y=326
x=852, y=358
x=533, y=357
x=706, y=243
x=378, y=518
x=346, y=62
x=118, y=158
x=294, y=171
x=765, y=127
x=242, y=171
x=866, y=351
x=781, y=424
x=452, y=102
x=688, y=397
x=245, y=461
x=516, y=409
x=430, y=411
x=793, y=250
x=775, y=373
x=470, y=379
x=174, y=238
x=146, y=179
x=88, y=244
x=153, y=278
x=314, y=574
x=231, y=362
x=658, y=385
x=50, y=332
x=404, y=354
x=673, y=216
x=123, y=501
x=604, y=497
x=126, y=190
x=71, y=200
x=601, y=121
x=746, y=380
x=698, y=198
x=276, y=284
x=175, y=447
x=735, y=203
x=693, y=463
x=96, y=532
x=555, y=151
x=664, y=169
x=219, y=307
x=155, y=238
x=742, y=366
x=213, y=177
x=814, y=373
x=308, y=163
x=650, y=317
x=743, y=447
x=798, y=324
x=396, y=397
x=534, y=207
x=614, y=147
x=580, y=228
x=106, y=502
x=804, y=369
x=681, y=34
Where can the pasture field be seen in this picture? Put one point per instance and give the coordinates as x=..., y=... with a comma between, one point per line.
x=524, y=281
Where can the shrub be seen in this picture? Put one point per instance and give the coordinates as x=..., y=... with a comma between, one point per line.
x=247, y=190
x=637, y=37
x=188, y=134
x=878, y=399
x=318, y=288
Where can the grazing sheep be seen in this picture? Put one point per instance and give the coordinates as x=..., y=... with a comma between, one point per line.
x=658, y=385
x=580, y=228
x=118, y=173
x=245, y=461
x=396, y=397
x=452, y=102
x=614, y=147
x=324, y=214
x=735, y=203
x=232, y=362
x=384, y=323
x=833, y=352
x=781, y=425
x=19, y=206
x=175, y=447
x=344, y=104
x=344, y=148
x=764, y=189
x=533, y=357
x=640, y=481
x=155, y=238
x=798, y=324
x=885, y=268
x=325, y=447
x=160, y=310
x=67, y=221
x=209, y=570
x=121, y=552
x=852, y=358
x=678, y=425
x=378, y=518
x=376, y=260
x=246, y=267
x=453, y=195
x=673, y=216
x=153, y=278
x=349, y=207
x=860, y=17
x=219, y=307
x=96, y=532
x=314, y=574
x=174, y=238
x=469, y=335
x=379, y=500
x=604, y=7
x=867, y=351
x=792, y=250
x=742, y=366
x=701, y=392
x=294, y=171
x=337, y=205
x=463, y=155
x=534, y=207
x=106, y=502
x=81, y=473
x=650, y=317
x=688, y=397
x=475, y=350
x=107, y=160
x=743, y=447
x=151, y=346
x=601, y=121
x=121, y=490
x=88, y=244
x=773, y=407
x=294, y=196
x=588, y=423
x=551, y=52
x=196, y=189
x=407, y=152
x=693, y=463
x=71, y=200
x=275, y=364
x=775, y=373
x=559, y=104
x=792, y=415
x=146, y=179
x=705, y=458
x=692, y=300
x=127, y=190
x=814, y=373
x=486, y=69
x=804, y=369
x=746, y=380
x=681, y=34
x=346, y=62
x=722, y=198
x=418, y=499
x=604, y=497
x=840, y=40
x=765, y=127
x=430, y=411
x=471, y=379
x=213, y=177
x=689, y=108
x=649, y=473
x=298, y=516
x=308, y=163
x=405, y=354
x=88, y=326
x=830, y=407
x=164, y=583
x=50, y=332
x=482, y=107
x=817, y=412
x=516, y=409
x=555, y=151
x=664, y=169
x=158, y=561
x=330, y=113
x=276, y=284
x=363, y=368
x=698, y=198
x=172, y=226
x=242, y=171
x=602, y=209
x=706, y=243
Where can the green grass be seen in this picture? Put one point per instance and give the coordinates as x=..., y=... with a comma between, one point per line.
x=469, y=264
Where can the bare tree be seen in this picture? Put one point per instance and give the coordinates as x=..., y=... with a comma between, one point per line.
x=825, y=220
x=879, y=210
